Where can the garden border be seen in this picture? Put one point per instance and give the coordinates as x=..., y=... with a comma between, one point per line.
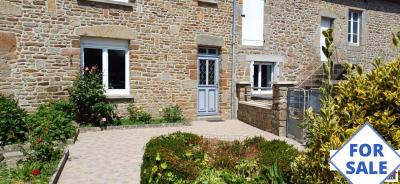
x=125, y=127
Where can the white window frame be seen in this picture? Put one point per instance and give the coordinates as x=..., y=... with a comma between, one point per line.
x=125, y=1
x=351, y=22
x=106, y=45
x=274, y=76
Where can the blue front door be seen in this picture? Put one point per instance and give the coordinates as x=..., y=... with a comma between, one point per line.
x=208, y=78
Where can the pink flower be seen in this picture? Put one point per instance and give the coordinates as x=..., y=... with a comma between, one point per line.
x=119, y=115
x=86, y=68
x=103, y=119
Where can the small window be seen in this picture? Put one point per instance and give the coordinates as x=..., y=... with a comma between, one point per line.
x=112, y=59
x=354, y=27
x=262, y=77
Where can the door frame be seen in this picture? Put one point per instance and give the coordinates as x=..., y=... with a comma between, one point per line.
x=217, y=78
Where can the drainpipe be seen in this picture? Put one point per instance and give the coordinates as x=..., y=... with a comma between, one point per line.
x=233, y=71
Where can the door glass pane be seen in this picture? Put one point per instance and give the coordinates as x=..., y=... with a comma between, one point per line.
x=93, y=58
x=211, y=72
x=202, y=72
x=116, y=69
x=202, y=51
x=255, y=80
x=212, y=51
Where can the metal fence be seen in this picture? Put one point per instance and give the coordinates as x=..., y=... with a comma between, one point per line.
x=298, y=101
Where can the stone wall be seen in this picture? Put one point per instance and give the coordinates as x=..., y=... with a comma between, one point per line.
x=163, y=40
x=292, y=32
x=257, y=116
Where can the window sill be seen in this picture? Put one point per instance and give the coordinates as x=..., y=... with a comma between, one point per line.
x=354, y=44
x=116, y=97
x=128, y=4
x=208, y=1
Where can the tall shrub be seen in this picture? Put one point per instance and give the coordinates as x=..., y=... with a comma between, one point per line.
x=372, y=97
x=12, y=122
x=87, y=94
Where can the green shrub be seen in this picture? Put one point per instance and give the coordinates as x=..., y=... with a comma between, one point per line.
x=137, y=114
x=173, y=150
x=172, y=114
x=12, y=122
x=52, y=121
x=188, y=158
x=280, y=152
x=87, y=94
x=372, y=97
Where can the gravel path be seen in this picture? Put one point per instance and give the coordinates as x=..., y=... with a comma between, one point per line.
x=115, y=156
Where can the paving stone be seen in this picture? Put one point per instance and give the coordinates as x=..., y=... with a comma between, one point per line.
x=115, y=156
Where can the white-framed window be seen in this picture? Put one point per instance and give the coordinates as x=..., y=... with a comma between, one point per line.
x=126, y=1
x=253, y=23
x=261, y=76
x=354, y=27
x=111, y=57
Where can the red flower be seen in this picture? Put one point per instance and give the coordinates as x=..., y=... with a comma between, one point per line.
x=38, y=140
x=35, y=172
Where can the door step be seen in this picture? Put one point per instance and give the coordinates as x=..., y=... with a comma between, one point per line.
x=209, y=118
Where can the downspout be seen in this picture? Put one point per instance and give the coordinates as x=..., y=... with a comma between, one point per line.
x=233, y=71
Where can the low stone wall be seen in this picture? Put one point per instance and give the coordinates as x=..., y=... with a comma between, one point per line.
x=258, y=115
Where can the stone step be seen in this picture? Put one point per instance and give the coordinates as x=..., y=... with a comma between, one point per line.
x=14, y=154
x=209, y=118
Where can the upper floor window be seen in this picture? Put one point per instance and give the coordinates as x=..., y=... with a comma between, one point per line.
x=253, y=23
x=354, y=27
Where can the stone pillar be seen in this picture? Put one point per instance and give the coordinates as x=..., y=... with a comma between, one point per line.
x=241, y=91
x=279, y=104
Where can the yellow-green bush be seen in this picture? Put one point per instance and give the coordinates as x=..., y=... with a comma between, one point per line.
x=373, y=97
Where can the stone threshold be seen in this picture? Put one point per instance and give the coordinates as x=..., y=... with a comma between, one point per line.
x=125, y=127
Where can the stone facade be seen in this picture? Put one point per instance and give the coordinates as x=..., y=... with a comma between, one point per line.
x=40, y=48
x=292, y=32
x=40, y=44
x=258, y=116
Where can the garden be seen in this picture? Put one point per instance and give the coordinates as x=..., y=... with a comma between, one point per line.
x=43, y=135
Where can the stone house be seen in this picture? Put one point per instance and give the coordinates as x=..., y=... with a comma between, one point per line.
x=155, y=52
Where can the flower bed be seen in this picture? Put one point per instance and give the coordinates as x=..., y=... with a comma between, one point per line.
x=188, y=158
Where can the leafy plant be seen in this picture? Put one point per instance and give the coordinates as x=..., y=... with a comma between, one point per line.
x=173, y=113
x=137, y=114
x=372, y=97
x=52, y=120
x=87, y=94
x=274, y=174
x=12, y=122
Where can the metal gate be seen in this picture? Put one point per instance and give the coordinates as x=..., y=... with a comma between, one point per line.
x=298, y=101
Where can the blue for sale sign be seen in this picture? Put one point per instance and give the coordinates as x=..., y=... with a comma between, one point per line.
x=365, y=158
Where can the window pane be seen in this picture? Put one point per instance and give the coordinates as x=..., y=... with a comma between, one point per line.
x=355, y=27
x=355, y=38
x=211, y=72
x=202, y=51
x=116, y=69
x=349, y=37
x=266, y=72
x=255, y=81
x=349, y=15
x=202, y=72
x=355, y=16
x=93, y=58
x=212, y=51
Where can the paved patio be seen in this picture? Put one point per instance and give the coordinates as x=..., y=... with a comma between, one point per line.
x=115, y=156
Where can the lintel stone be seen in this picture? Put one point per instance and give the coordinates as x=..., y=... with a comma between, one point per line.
x=209, y=40
x=265, y=58
x=115, y=32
